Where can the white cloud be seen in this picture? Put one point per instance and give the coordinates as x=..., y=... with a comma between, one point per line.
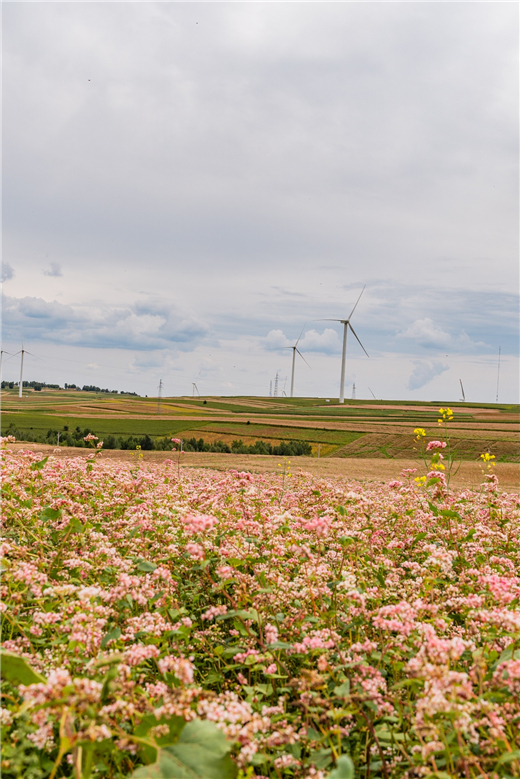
x=54, y=270
x=327, y=342
x=424, y=372
x=152, y=324
x=276, y=339
x=7, y=271
x=425, y=333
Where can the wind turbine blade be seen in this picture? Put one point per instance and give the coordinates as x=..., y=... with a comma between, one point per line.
x=303, y=358
x=357, y=339
x=298, y=341
x=357, y=301
x=13, y=355
x=329, y=320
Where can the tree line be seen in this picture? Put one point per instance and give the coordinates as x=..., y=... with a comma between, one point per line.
x=66, y=437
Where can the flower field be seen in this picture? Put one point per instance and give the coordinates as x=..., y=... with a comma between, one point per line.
x=159, y=622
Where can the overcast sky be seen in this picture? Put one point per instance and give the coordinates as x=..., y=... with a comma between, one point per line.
x=187, y=186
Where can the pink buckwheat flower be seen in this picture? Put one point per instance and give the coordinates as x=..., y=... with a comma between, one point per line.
x=198, y=523
x=195, y=550
x=435, y=445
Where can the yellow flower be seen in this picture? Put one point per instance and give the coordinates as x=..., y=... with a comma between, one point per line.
x=419, y=432
x=487, y=458
x=420, y=479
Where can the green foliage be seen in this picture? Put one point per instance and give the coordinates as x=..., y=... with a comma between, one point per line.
x=201, y=752
x=344, y=768
x=16, y=670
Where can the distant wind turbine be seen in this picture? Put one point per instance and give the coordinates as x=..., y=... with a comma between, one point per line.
x=462, y=390
x=295, y=349
x=346, y=324
x=2, y=352
x=22, y=352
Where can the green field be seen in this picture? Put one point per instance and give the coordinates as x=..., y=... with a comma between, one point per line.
x=355, y=429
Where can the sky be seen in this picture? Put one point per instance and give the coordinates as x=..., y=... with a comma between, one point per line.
x=189, y=187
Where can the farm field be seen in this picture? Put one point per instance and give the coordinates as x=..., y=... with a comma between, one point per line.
x=364, y=429
x=165, y=621
x=467, y=473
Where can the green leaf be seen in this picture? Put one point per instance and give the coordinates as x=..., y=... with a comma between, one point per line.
x=508, y=654
x=439, y=775
x=508, y=757
x=112, y=635
x=418, y=537
x=39, y=465
x=48, y=513
x=16, y=670
x=321, y=759
x=201, y=752
x=146, y=566
x=450, y=514
x=151, y=748
x=252, y=614
x=314, y=735
x=344, y=768
x=76, y=525
x=343, y=689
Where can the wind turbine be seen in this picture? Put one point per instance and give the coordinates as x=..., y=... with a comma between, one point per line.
x=346, y=324
x=21, y=352
x=295, y=349
x=2, y=352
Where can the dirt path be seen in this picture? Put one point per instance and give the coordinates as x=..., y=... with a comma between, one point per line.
x=469, y=474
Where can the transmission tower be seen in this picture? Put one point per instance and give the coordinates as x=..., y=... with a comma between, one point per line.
x=159, y=397
x=195, y=389
x=271, y=388
x=276, y=385
x=354, y=391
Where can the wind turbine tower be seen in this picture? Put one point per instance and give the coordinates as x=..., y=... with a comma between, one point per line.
x=22, y=353
x=346, y=324
x=2, y=352
x=159, y=396
x=294, y=350
x=498, y=371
